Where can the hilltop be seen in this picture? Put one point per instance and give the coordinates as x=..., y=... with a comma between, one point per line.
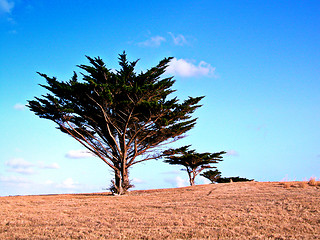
x=248, y=210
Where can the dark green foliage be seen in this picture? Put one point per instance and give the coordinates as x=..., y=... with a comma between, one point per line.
x=193, y=162
x=120, y=116
x=233, y=179
x=212, y=175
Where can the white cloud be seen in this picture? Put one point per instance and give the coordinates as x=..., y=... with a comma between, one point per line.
x=179, y=40
x=181, y=182
x=78, y=154
x=185, y=68
x=174, y=172
x=232, y=153
x=69, y=183
x=21, y=170
x=153, y=42
x=48, y=166
x=19, y=106
x=13, y=179
x=204, y=180
x=6, y=6
x=49, y=182
x=137, y=180
x=19, y=163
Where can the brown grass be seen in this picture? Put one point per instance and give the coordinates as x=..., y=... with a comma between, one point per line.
x=247, y=210
x=287, y=184
x=312, y=182
x=303, y=184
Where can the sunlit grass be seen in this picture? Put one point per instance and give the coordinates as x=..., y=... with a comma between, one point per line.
x=247, y=210
x=313, y=182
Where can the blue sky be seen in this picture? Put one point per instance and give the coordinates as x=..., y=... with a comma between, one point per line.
x=257, y=63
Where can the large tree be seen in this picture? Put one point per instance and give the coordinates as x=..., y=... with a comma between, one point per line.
x=120, y=116
x=193, y=162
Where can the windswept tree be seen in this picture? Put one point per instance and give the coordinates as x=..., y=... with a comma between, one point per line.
x=120, y=116
x=193, y=162
x=233, y=179
x=212, y=175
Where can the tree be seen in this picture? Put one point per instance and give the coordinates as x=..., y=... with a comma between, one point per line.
x=213, y=176
x=193, y=162
x=233, y=179
x=120, y=116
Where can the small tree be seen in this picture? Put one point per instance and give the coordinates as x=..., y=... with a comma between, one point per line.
x=193, y=162
x=212, y=175
x=120, y=116
x=233, y=179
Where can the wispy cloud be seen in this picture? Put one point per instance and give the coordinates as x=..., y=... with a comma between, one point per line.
x=25, y=171
x=204, y=180
x=155, y=41
x=177, y=181
x=232, y=152
x=48, y=166
x=6, y=6
x=181, y=182
x=137, y=180
x=179, y=39
x=48, y=182
x=185, y=68
x=14, y=179
x=19, y=165
x=174, y=172
x=78, y=154
x=24, y=185
x=69, y=183
x=19, y=106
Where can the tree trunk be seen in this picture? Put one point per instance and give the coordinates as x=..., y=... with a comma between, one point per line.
x=121, y=183
x=191, y=181
x=192, y=177
x=125, y=179
x=117, y=188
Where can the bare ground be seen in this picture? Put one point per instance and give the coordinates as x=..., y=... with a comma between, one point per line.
x=248, y=210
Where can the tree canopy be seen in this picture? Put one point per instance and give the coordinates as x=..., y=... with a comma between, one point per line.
x=193, y=162
x=120, y=116
x=233, y=179
x=212, y=175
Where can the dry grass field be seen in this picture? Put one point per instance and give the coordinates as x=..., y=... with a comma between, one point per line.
x=248, y=210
